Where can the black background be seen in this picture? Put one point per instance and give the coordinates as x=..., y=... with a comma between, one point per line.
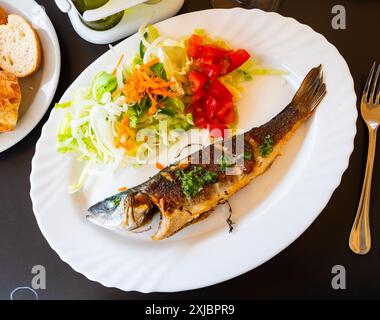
x=301, y=271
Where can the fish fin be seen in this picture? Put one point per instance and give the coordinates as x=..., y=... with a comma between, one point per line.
x=306, y=100
x=311, y=92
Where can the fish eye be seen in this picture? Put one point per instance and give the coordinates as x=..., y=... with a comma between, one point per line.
x=111, y=203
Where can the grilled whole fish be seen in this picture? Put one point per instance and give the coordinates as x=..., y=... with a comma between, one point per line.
x=186, y=190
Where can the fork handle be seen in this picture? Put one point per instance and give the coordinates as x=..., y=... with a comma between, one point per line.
x=360, y=237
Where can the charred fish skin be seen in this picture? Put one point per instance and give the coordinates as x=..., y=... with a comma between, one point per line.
x=278, y=131
x=179, y=209
x=172, y=190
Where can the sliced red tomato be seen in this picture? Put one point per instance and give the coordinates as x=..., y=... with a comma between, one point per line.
x=195, y=47
x=230, y=117
x=212, y=71
x=214, y=55
x=198, y=80
x=200, y=122
x=199, y=117
x=211, y=106
x=212, y=103
x=217, y=130
x=198, y=95
x=226, y=113
x=224, y=65
x=237, y=58
x=219, y=91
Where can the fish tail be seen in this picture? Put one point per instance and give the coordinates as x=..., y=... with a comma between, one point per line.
x=306, y=100
x=311, y=92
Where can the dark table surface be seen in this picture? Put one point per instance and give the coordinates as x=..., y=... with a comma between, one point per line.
x=303, y=270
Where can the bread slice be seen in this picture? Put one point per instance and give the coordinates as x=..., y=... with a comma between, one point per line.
x=10, y=99
x=20, y=50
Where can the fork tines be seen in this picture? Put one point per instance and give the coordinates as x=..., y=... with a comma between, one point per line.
x=371, y=92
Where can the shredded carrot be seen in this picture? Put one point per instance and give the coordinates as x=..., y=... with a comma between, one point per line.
x=118, y=64
x=144, y=81
x=150, y=64
x=153, y=108
x=164, y=93
x=159, y=166
x=117, y=92
x=126, y=137
x=141, y=83
x=164, y=85
x=122, y=189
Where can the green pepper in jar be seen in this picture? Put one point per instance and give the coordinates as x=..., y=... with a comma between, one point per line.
x=102, y=24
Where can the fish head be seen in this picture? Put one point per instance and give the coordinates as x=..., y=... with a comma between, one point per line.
x=125, y=211
x=109, y=213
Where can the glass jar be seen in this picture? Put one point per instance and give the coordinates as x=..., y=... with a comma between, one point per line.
x=102, y=24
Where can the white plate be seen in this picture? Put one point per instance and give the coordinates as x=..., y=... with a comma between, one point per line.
x=270, y=213
x=37, y=90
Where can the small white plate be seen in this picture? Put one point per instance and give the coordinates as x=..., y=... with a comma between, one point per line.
x=270, y=213
x=37, y=90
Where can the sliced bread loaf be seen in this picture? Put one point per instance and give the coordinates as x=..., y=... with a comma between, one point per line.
x=20, y=50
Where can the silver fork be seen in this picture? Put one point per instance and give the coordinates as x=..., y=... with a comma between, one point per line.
x=360, y=237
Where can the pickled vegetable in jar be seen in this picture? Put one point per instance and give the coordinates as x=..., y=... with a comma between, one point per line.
x=102, y=24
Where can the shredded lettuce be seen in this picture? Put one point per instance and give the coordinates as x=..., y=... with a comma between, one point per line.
x=63, y=105
x=268, y=72
x=103, y=83
x=250, y=69
x=151, y=33
x=90, y=123
x=246, y=72
x=159, y=70
x=176, y=104
x=214, y=41
x=88, y=127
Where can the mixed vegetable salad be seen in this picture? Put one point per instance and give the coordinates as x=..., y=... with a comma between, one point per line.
x=169, y=87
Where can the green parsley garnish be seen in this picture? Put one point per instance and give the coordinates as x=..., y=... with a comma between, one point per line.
x=248, y=156
x=225, y=162
x=210, y=177
x=194, y=181
x=267, y=147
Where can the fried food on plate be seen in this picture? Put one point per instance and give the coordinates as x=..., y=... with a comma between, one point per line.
x=10, y=99
x=3, y=16
x=20, y=50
